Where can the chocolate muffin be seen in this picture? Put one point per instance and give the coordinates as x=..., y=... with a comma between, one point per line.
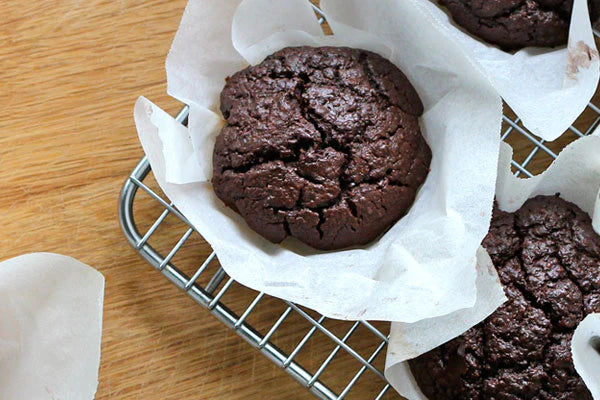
x=514, y=24
x=322, y=144
x=548, y=258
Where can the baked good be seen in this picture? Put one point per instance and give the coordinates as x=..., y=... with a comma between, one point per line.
x=548, y=259
x=322, y=144
x=514, y=24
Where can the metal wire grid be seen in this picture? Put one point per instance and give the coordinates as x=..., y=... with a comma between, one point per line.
x=574, y=132
x=211, y=294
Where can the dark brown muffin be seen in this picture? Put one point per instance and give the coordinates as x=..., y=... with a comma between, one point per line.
x=322, y=144
x=548, y=258
x=514, y=24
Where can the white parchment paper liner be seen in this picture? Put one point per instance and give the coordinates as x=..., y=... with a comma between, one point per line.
x=50, y=328
x=424, y=266
x=575, y=174
x=547, y=88
x=585, y=346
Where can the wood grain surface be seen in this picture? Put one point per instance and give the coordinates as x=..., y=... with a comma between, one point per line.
x=70, y=72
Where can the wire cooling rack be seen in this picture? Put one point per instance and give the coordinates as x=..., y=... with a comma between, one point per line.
x=258, y=319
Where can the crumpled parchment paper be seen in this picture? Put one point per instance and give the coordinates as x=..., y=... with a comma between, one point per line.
x=50, y=328
x=548, y=88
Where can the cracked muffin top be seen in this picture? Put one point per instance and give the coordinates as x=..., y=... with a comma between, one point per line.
x=514, y=24
x=322, y=144
x=548, y=259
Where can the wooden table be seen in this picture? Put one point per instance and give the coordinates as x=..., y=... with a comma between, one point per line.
x=70, y=72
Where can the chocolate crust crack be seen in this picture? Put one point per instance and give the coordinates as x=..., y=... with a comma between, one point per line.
x=322, y=144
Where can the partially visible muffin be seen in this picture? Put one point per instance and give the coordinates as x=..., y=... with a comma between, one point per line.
x=514, y=24
x=322, y=144
x=548, y=258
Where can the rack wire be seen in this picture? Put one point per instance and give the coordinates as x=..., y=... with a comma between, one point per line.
x=360, y=345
